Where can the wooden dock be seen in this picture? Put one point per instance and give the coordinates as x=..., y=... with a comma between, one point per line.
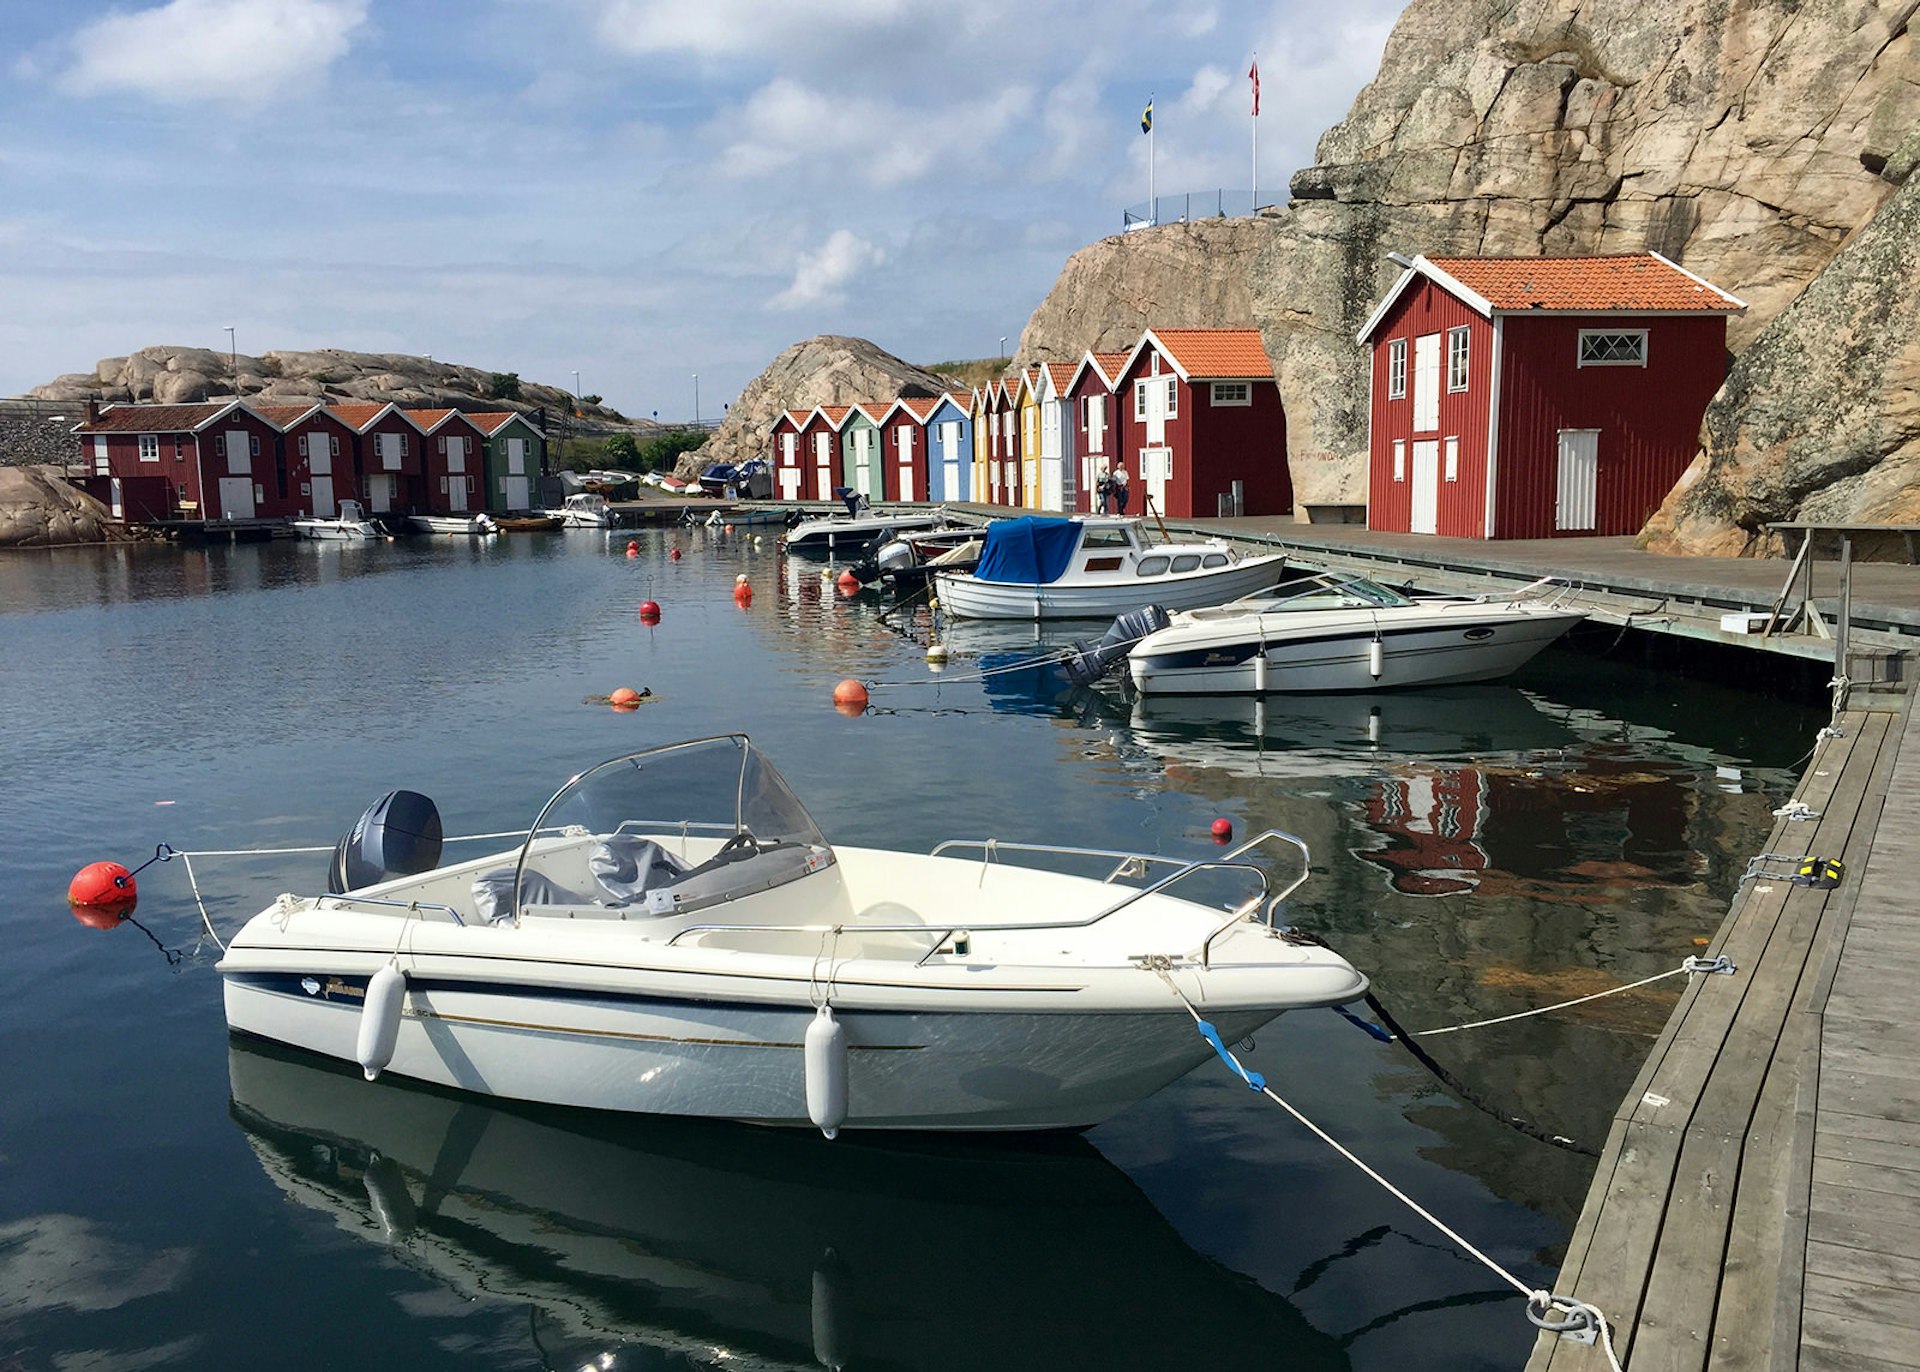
x=1757, y=1204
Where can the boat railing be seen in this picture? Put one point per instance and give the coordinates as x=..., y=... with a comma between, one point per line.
x=348, y=898
x=1130, y=864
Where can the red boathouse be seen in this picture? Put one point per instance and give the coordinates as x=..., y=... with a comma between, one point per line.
x=1529, y=397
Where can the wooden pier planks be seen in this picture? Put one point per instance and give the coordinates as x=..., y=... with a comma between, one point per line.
x=1693, y=1233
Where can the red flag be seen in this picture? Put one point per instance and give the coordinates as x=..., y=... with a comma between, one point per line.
x=1254, y=73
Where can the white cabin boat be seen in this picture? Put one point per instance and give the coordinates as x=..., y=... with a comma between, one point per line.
x=471, y=525
x=857, y=532
x=585, y=510
x=1095, y=567
x=1336, y=632
x=675, y=936
x=350, y=523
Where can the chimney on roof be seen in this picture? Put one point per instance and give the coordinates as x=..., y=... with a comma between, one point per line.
x=93, y=410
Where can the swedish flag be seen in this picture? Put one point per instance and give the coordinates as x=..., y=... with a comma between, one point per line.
x=1146, y=118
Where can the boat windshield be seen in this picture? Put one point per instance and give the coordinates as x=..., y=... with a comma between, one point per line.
x=669, y=829
x=1327, y=591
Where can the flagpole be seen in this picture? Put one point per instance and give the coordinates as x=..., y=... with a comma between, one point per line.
x=1153, y=206
x=1255, y=207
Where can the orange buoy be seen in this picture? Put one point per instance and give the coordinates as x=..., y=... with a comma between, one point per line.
x=728, y=527
x=850, y=697
x=649, y=612
x=1223, y=830
x=742, y=592
x=102, y=894
x=633, y=548
x=674, y=555
x=626, y=698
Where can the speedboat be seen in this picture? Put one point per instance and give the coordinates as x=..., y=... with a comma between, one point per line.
x=351, y=522
x=675, y=936
x=585, y=510
x=1094, y=567
x=857, y=532
x=1333, y=631
x=472, y=525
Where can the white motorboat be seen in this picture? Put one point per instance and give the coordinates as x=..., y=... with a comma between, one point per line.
x=351, y=522
x=857, y=532
x=675, y=936
x=1094, y=567
x=1333, y=631
x=471, y=525
x=585, y=510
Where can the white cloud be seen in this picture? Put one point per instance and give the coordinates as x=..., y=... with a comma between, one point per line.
x=821, y=274
x=730, y=28
x=786, y=123
x=244, y=51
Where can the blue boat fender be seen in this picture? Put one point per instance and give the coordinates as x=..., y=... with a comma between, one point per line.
x=380, y=1020
x=826, y=1057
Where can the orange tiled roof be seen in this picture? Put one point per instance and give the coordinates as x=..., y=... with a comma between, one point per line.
x=1062, y=374
x=921, y=406
x=962, y=399
x=429, y=419
x=356, y=414
x=147, y=419
x=490, y=422
x=1216, y=352
x=281, y=415
x=834, y=414
x=1110, y=363
x=1629, y=282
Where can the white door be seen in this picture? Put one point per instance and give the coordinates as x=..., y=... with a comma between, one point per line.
x=1426, y=487
x=1575, y=496
x=239, y=457
x=787, y=458
x=379, y=491
x=320, y=454
x=456, y=489
x=823, y=466
x=1156, y=469
x=950, y=459
x=1157, y=393
x=517, y=461
x=102, y=465
x=323, y=497
x=863, y=462
x=456, y=454
x=903, y=447
x=519, y=497
x=236, y=492
x=789, y=483
x=389, y=445
x=1426, y=383
x=118, y=503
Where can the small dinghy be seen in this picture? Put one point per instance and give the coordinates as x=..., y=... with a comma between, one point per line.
x=676, y=936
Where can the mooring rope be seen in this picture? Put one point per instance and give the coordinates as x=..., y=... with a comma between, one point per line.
x=1555, y=1314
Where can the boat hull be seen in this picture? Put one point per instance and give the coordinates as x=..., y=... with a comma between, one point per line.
x=1451, y=646
x=474, y=526
x=838, y=536
x=920, y=1070
x=333, y=531
x=969, y=597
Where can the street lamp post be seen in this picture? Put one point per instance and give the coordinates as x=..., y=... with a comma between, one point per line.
x=696, y=400
x=1003, y=345
x=233, y=363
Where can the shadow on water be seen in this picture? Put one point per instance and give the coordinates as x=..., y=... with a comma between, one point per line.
x=726, y=1245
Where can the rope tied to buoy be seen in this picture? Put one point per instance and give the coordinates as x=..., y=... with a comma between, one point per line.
x=1566, y=1316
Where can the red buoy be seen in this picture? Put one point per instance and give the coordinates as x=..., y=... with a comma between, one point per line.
x=742, y=592
x=850, y=697
x=1223, y=830
x=625, y=698
x=102, y=894
x=848, y=583
x=633, y=549
x=649, y=612
x=673, y=555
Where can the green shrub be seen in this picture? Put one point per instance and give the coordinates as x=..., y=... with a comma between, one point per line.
x=504, y=386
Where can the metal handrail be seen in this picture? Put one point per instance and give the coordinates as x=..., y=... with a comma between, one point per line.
x=1227, y=862
x=452, y=913
x=991, y=846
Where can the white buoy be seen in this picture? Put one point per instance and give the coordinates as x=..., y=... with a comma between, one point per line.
x=1373, y=725
x=1376, y=658
x=1260, y=670
x=380, y=1020
x=936, y=652
x=826, y=1055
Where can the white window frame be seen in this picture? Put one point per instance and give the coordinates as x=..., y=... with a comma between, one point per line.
x=1173, y=397
x=149, y=447
x=253, y=444
x=1581, y=359
x=1399, y=459
x=1450, y=457
x=1140, y=399
x=1459, y=347
x=1226, y=393
x=1397, y=369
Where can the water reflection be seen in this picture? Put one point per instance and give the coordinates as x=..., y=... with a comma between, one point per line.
x=722, y=1245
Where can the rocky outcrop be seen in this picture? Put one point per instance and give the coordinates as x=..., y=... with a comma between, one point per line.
x=1820, y=417
x=38, y=509
x=1745, y=141
x=827, y=370
x=1194, y=274
x=177, y=375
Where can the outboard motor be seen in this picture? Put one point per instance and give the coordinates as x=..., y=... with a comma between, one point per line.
x=1086, y=660
x=895, y=555
x=398, y=836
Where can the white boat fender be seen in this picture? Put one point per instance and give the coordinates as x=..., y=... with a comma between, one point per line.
x=829, y=1275
x=380, y=1019
x=826, y=1057
x=1376, y=657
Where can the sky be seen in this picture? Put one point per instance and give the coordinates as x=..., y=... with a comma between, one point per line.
x=640, y=191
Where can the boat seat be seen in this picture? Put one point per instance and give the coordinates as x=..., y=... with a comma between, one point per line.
x=622, y=868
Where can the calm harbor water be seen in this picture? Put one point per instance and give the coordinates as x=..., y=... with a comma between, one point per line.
x=169, y=1198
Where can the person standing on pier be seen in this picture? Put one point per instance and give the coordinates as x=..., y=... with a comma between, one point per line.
x=1120, y=486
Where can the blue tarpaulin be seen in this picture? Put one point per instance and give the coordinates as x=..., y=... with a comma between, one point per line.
x=1031, y=550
